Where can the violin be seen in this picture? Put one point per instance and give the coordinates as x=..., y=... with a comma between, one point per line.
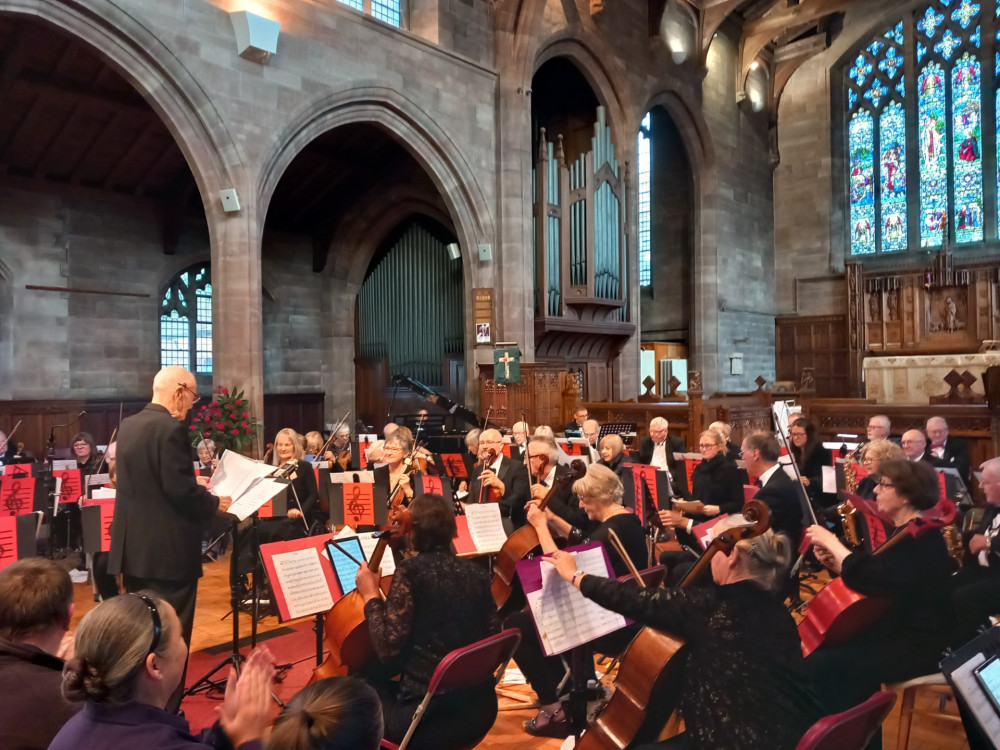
x=524, y=541
x=837, y=613
x=648, y=672
x=268, y=452
x=345, y=631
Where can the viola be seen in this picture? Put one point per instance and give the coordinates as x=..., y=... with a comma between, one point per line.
x=345, y=631
x=649, y=672
x=525, y=541
x=838, y=613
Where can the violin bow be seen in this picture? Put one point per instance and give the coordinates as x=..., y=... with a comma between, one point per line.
x=616, y=542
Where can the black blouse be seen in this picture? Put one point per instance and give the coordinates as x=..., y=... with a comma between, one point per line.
x=437, y=603
x=717, y=481
x=744, y=684
x=629, y=529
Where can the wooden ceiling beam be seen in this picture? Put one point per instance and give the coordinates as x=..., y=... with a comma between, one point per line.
x=127, y=158
x=65, y=93
x=62, y=135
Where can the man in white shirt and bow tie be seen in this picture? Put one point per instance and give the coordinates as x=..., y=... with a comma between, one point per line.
x=977, y=584
x=953, y=451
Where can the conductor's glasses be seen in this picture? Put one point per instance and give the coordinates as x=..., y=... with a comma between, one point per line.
x=195, y=398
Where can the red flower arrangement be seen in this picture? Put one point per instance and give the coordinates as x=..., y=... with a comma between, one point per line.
x=225, y=421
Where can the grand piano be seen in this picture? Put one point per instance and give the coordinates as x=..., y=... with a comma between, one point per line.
x=444, y=428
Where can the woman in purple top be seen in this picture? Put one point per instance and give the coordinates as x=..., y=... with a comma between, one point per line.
x=129, y=659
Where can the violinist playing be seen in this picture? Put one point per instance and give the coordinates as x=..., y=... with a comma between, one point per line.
x=290, y=459
x=600, y=494
x=744, y=682
x=340, y=451
x=437, y=602
x=395, y=455
x=500, y=479
x=913, y=575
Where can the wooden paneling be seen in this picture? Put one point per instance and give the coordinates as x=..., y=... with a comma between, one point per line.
x=301, y=412
x=819, y=342
x=545, y=396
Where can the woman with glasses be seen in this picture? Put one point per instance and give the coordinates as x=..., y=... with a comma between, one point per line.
x=88, y=459
x=873, y=454
x=810, y=456
x=302, y=495
x=613, y=454
x=912, y=576
x=129, y=658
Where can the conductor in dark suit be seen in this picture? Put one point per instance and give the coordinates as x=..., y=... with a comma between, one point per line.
x=160, y=507
x=503, y=476
x=777, y=489
x=954, y=452
x=658, y=448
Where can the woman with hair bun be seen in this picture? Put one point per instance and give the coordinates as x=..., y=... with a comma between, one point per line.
x=744, y=683
x=129, y=659
x=337, y=713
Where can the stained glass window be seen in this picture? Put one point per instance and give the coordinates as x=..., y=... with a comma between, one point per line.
x=941, y=113
x=645, y=256
x=876, y=91
x=186, y=321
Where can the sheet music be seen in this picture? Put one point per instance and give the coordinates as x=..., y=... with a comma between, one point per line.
x=565, y=618
x=103, y=493
x=235, y=473
x=252, y=499
x=300, y=575
x=348, y=477
x=63, y=464
x=96, y=480
x=830, y=480
x=965, y=680
x=486, y=526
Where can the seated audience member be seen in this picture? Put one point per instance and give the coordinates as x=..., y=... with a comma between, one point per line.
x=36, y=604
x=954, y=452
x=129, y=659
x=337, y=713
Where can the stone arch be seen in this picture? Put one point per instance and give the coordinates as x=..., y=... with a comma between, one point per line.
x=695, y=134
x=590, y=55
x=429, y=144
x=157, y=73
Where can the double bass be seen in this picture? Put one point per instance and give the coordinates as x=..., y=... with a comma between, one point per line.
x=525, y=540
x=648, y=673
x=345, y=631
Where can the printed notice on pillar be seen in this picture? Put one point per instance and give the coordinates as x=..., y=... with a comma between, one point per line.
x=359, y=504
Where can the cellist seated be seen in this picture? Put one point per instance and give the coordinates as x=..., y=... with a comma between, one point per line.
x=600, y=493
x=437, y=603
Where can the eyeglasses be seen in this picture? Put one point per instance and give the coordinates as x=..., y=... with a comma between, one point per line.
x=491, y=442
x=745, y=451
x=797, y=434
x=195, y=398
x=157, y=626
x=883, y=483
x=706, y=446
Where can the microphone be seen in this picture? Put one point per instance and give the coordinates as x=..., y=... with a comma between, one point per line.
x=289, y=468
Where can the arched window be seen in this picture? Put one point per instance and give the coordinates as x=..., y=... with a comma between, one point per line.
x=390, y=11
x=186, y=320
x=914, y=128
x=645, y=170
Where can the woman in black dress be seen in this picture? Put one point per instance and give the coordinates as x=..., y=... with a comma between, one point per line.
x=744, y=683
x=913, y=575
x=437, y=602
x=302, y=495
x=600, y=493
x=811, y=457
x=613, y=454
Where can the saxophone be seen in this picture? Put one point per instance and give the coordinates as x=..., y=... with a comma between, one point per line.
x=953, y=540
x=846, y=509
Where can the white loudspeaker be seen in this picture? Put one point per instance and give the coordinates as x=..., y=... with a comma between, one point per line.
x=230, y=201
x=454, y=251
x=485, y=252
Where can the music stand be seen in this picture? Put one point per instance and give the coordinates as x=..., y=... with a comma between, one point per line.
x=621, y=429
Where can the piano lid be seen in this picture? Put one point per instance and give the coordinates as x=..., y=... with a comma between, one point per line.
x=452, y=407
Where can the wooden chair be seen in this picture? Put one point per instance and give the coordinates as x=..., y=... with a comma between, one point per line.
x=851, y=729
x=934, y=683
x=464, y=668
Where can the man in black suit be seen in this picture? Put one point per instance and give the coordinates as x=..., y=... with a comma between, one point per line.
x=658, y=448
x=160, y=507
x=519, y=440
x=504, y=476
x=575, y=428
x=914, y=444
x=953, y=451
x=544, y=468
x=977, y=584
x=760, y=451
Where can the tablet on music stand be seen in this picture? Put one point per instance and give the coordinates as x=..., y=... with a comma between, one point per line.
x=988, y=677
x=344, y=568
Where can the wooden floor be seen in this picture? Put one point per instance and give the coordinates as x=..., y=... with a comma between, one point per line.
x=929, y=732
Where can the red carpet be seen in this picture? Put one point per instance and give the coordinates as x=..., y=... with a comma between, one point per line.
x=294, y=644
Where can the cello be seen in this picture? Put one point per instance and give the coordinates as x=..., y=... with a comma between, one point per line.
x=647, y=675
x=837, y=613
x=524, y=541
x=345, y=631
